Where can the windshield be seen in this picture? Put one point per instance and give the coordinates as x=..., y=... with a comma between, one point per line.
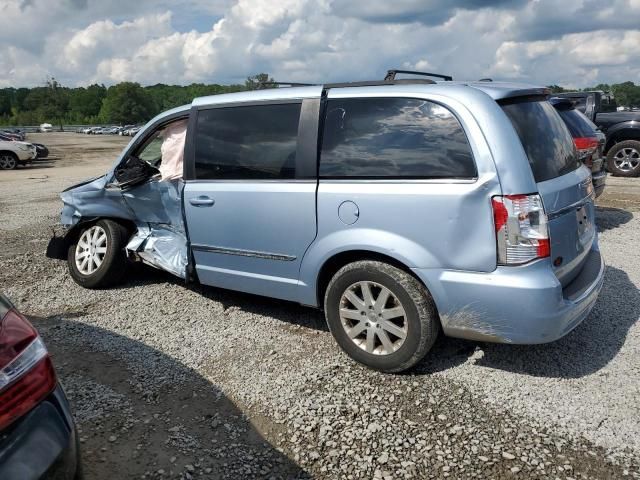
x=545, y=138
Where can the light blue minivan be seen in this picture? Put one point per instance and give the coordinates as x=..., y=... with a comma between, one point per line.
x=402, y=208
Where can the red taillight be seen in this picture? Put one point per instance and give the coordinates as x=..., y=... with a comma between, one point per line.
x=500, y=214
x=583, y=143
x=586, y=147
x=26, y=372
x=521, y=229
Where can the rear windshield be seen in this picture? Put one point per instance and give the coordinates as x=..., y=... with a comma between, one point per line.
x=545, y=138
x=579, y=125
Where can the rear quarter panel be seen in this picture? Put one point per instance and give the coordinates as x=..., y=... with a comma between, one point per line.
x=426, y=224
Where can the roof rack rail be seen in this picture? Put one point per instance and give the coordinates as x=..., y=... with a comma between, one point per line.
x=290, y=84
x=486, y=80
x=391, y=75
x=377, y=83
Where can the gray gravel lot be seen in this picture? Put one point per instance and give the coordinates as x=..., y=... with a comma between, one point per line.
x=169, y=381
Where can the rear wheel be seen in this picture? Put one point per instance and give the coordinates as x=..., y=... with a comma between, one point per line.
x=623, y=159
x=97, y=259
x=380, y=315
x=8, y=161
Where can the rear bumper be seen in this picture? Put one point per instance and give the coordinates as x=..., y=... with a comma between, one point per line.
x=524, y=305
x=42, y=445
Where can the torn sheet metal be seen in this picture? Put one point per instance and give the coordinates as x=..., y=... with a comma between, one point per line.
x=160, y=240
x=156, y=208
x=162, y=247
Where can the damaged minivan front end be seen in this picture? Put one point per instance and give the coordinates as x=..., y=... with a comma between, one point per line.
x=137, y=195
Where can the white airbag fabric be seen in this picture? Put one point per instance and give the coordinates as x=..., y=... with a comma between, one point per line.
x=172, y=149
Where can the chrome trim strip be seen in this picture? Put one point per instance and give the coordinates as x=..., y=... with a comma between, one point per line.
x=244, y=253
x=573, y=206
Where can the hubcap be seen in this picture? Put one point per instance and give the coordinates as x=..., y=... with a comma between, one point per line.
x=627, y=159
x=7, y=162
x=91, y=249
x=373, y=318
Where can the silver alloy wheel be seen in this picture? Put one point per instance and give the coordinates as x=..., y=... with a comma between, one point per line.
x=7, y=162
x=91, y=249
x=373, y=318
x=627, y=159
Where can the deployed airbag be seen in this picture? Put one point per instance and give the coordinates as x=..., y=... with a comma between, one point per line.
x=173, y=150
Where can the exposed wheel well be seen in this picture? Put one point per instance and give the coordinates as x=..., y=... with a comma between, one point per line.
x=13, y=154
x=335, y=263
x=621, y=136
x=73, y=234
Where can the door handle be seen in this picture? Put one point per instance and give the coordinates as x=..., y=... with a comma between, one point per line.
x=202, y=201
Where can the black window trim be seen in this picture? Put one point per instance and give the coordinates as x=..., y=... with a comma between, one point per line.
x=306, y=141
x=398, y=179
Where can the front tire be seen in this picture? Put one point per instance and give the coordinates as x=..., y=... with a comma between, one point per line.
x=380, y=315
x=8, y=161
x=623, y=159
x=97, y=258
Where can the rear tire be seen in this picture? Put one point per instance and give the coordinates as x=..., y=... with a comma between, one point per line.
x=380, y=315
x=8, y=161
x=623, y=159
x=97, y=258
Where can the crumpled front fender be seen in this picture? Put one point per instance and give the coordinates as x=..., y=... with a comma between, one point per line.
x=93, y=199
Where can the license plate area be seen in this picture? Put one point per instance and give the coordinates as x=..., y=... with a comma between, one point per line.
x=583, y=221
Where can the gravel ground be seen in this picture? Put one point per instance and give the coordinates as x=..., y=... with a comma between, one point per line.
x=169, y=381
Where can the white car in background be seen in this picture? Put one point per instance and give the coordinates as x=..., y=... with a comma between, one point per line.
x=45, y=127
x=14, y=153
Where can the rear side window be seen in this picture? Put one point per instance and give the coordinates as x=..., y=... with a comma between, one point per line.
x=545, y=138
x=577, y=123
x=251, y=142
x=393, y=138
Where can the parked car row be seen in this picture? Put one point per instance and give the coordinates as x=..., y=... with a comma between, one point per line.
x=13, y=134
x=621, y=127
x=127, y=130
x=15, y=152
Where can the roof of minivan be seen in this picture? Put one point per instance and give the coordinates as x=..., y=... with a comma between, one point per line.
x=496, y=90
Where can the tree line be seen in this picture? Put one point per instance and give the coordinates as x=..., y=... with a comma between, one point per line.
x=120, y=104
x=131, y=103
x=627, y=94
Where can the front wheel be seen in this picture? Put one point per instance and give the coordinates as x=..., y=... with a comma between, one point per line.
x=8, y=161
x=97, y=259
x=380, y=315
x=623, y=159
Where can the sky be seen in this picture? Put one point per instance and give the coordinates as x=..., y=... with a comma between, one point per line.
x=566, y=42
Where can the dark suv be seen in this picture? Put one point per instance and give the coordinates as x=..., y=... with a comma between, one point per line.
x=622, y=129
x=589, y=140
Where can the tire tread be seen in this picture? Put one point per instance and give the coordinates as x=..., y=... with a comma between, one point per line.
x=427, y=314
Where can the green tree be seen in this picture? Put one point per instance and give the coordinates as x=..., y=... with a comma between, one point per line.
x=556, y=88
x=49, y=103
x=627, y=94
x=85, y=103
x=19, y=97
x=127, y=102
x=56, y=104
x=5, y=103
x=258, y=82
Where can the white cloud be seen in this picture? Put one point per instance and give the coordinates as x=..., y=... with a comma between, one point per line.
x=546, y=41
x=19, y=67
